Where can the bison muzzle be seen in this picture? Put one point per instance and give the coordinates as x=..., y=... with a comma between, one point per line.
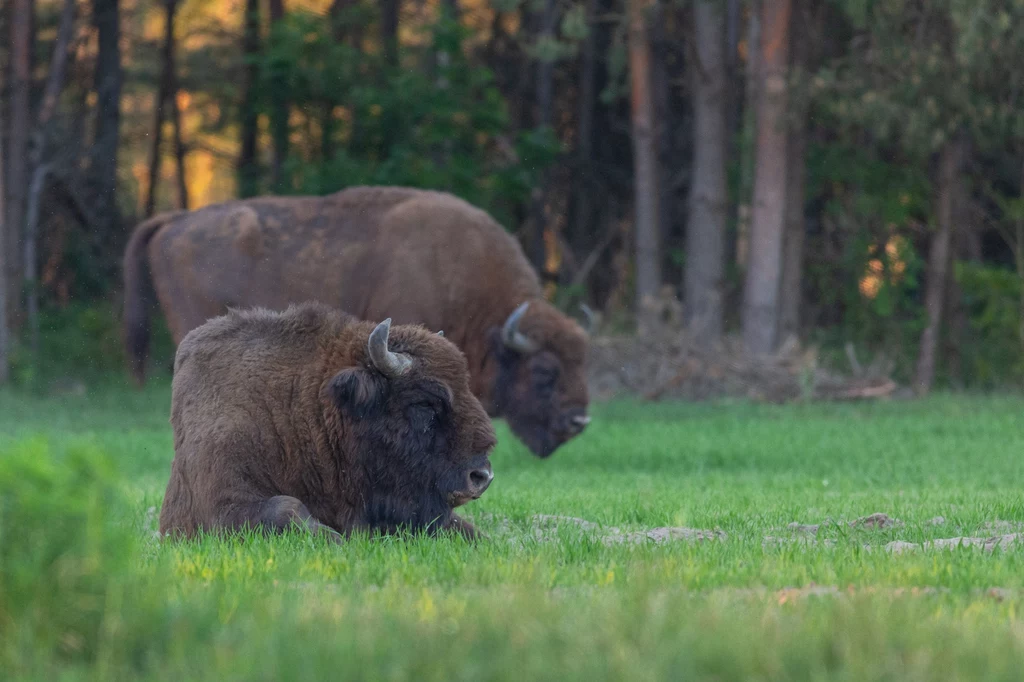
x=311, y=417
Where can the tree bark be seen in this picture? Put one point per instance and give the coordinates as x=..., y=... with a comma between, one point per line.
x=389, y=14
x=108, y=83
x=747, y=125
x=950, y=161
x=645, y=157
x=5, y=343
x=705, y=229
x=764, y=269
x=163, y=95
x=179, y=146
x=278, y=112
x=248, y=167
x=544, y=88
x=791, y=292
x=585, y=129
x=18, y=171
x=48, y=107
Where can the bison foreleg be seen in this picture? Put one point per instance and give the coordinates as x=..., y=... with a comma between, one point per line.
x=465, y=528
x=281, y=512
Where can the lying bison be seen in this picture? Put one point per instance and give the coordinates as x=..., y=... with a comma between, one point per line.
x=412, y=255
x=307, y=416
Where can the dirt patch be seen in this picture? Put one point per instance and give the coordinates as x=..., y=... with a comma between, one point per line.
x=661, y=361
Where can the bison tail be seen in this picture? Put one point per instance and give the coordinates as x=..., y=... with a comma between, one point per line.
x=136, y=297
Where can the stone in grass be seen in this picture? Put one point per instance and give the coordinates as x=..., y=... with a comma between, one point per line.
x=988, y=544
x=804, y=528
x=876, y=521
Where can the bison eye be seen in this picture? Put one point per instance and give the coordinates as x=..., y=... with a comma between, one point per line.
x=422, y=418
x=545, y=377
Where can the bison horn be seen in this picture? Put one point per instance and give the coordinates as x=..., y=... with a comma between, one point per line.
x=591, y=318
x=388, y=363
x=440, y=332
x=512, y=337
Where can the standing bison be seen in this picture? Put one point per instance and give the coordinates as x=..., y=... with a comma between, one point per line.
x=311, y=417
x=416, y=256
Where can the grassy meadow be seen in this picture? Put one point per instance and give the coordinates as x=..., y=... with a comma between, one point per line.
x=88, y=593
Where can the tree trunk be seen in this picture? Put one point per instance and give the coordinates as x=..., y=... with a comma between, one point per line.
x=746, y=141
x=544, y=88
x=645, y=157
x=179, y=146
x=733, y=113
x=705, y=228
x=661, y=85
x=248, y=166
x=108, y=81
x=791, y=292
x=764, y=265
x=389, y=14
x=585, y=129
x=18, y=171
x=278, y=112
x=950, y=160
x=164, y=92
x=5, y=254
x=51, y=95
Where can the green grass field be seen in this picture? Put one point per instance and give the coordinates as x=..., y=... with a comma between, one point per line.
x=86, y=592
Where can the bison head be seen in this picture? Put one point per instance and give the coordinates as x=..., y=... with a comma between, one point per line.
x=415, y=438
x=541, y=386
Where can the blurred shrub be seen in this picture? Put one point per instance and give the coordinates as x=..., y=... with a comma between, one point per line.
x=65, y=541
x=993, y=351
x=83, y=340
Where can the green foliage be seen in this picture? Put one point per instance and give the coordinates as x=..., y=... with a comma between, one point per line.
x=993, y=351
x=84, y=341
x=63, y=534
x=871, y=205
x=441, y=125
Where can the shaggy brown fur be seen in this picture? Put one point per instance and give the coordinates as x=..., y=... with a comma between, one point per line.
x=284, y=417
x=415, y=256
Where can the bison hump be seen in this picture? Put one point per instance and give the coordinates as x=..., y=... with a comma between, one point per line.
x=245, y=223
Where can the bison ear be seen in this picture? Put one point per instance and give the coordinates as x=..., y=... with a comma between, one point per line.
x=358, y=392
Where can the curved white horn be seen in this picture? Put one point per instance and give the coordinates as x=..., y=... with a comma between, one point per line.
x=387, y=363
x=512, y=337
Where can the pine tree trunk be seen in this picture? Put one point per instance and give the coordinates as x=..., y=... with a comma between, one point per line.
x=805, y=38
x=278, y=112
x=18, y=171
x=248, y=166
x=544, y=88
x=791, y=294
x=389, y=16
x=40, y=170
x=705, y=228
x=585, y=129
x=162, y=96
x=746, y=146
x=108, y=83
x=767, y=227
x=950, y=161
x=645, y=157
x=5, y=254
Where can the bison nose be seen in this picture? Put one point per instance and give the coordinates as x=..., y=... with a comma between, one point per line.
x=479, y=479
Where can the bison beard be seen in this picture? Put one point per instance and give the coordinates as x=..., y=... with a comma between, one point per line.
x=307, y=417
